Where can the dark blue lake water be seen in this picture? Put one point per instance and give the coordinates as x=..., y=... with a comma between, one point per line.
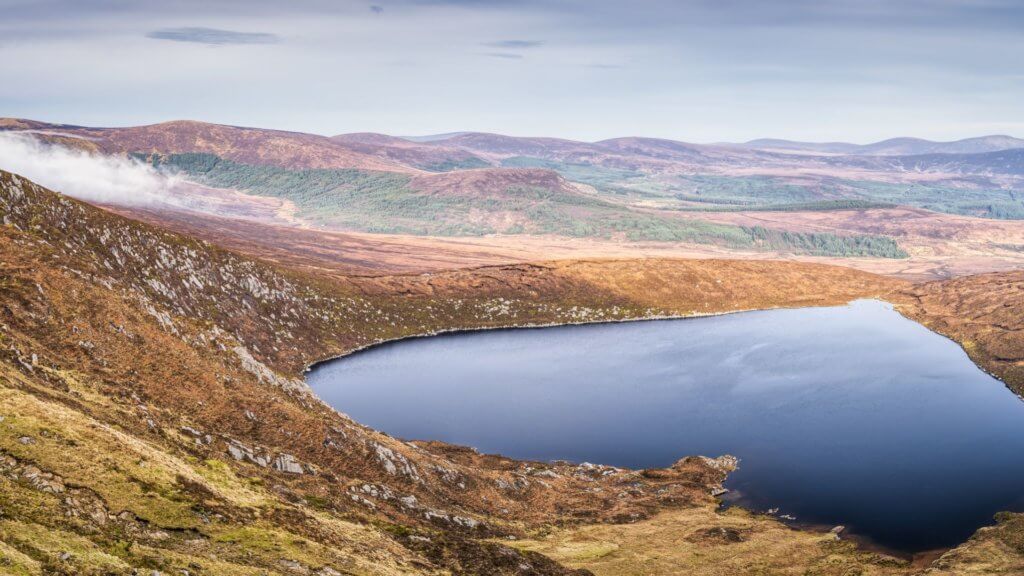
x=849, y=415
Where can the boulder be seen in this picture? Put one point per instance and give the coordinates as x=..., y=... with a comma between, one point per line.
x=287, y=463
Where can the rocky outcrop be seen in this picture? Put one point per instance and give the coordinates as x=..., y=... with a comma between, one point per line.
x=287, y=463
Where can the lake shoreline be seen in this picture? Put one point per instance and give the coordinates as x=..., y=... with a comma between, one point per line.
x=864, y=542
x=538, y=326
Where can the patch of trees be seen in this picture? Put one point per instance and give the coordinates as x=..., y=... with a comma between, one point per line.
x=819, y=206
x=456, y=164
x=825, y=244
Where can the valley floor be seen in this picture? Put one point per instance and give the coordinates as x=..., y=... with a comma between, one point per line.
x=940, y=245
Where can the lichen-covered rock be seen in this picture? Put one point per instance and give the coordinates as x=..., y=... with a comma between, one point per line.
x=287, y=463
x=240, y=451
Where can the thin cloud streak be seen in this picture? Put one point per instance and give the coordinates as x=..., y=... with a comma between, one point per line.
x=504, y=55
x=514, y=44
x=212, y=36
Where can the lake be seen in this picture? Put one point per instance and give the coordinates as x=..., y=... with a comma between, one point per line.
x=848, y=415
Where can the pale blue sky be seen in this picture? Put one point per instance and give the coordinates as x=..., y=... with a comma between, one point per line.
x=697, y=70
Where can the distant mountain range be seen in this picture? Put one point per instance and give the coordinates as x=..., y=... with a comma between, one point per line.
x=903, y=146
x=464, y=150
x=474, y=183
x=892, y=146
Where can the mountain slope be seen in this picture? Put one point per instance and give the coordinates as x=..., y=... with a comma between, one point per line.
x=500, y=145
x=153, y=416
x=249, y=145
x=649, y=154
x=437, y=158
x=153, y=419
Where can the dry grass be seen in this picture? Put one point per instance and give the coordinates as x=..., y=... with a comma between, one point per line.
x=101, y=371
x=702, y=542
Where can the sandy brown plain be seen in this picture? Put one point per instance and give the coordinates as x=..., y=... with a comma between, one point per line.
x=940, y=245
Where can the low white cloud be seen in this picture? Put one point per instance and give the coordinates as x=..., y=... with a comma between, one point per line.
x=90, y=177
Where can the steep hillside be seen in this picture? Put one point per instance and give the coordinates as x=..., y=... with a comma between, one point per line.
x=141, y=429
x=153, y=418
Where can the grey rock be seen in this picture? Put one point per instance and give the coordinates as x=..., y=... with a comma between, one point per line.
x=240, y=451
x=293, y=566
x=287, y=463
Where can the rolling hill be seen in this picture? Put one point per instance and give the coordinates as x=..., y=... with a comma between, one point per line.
x=893, y=146
x=1007, y=162
x=431, y=158
x=251, y=145
x=492, y=201
x=624, y=189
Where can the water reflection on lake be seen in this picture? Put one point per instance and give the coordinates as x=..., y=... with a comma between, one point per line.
x=848, y=415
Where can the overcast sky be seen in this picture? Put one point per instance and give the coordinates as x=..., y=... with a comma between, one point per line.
x=695, y=70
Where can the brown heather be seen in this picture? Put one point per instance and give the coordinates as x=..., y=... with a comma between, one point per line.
x=153, y=418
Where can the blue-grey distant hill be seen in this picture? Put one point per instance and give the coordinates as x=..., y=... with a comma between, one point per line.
x=1007, y=162
x=893, y=146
